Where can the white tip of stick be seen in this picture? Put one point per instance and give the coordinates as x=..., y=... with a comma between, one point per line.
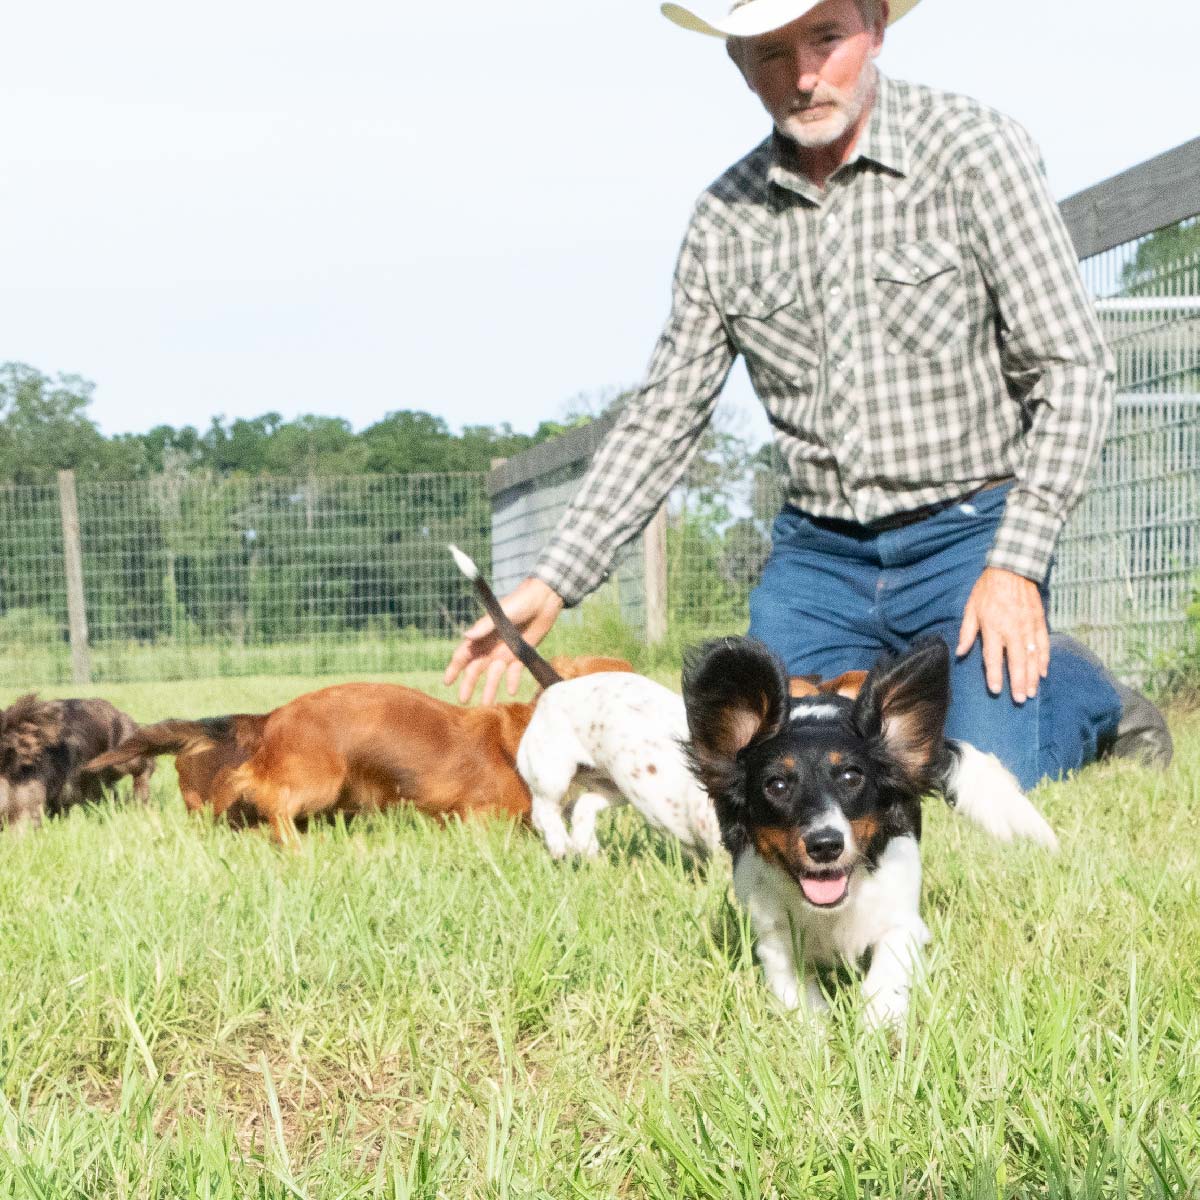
x=464, y=564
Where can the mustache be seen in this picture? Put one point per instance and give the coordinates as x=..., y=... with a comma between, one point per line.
x=822, y=94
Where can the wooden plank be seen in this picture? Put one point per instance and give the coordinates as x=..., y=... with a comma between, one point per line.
x=81, y=659
x=654, y=563
x=1159, y=192
x=571, y=448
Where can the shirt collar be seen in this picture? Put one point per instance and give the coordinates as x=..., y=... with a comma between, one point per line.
x=882, y=142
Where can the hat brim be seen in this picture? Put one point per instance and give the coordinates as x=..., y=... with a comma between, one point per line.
x=760, y=16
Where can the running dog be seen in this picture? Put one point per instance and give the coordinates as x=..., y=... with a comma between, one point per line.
x=819, y=804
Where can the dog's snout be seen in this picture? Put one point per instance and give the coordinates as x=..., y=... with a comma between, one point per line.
x=824, y=845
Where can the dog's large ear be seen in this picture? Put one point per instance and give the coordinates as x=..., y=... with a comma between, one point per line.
x=736, y=694
x=903, y=702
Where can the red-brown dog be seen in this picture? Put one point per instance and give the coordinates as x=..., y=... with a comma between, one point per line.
x=352, y=747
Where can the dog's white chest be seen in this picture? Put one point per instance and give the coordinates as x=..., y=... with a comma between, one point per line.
x=877, y=902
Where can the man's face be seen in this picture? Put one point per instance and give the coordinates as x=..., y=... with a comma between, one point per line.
x=814, y=76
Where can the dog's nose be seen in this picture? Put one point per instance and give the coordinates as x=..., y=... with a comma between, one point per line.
x=824, y=845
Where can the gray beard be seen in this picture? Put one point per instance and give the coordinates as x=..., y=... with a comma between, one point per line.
x=849, y=109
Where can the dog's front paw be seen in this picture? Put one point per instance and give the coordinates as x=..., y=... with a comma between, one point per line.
x=886, y=1009
x=590, y=848
x=547, y=820
x=558, y=846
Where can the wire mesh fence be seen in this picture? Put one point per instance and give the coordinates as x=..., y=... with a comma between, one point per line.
x=1148, y=298
x=186, y=576
x=1127, y=574
x=1128, y=565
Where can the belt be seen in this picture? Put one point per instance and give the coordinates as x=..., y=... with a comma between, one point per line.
x=899, y=520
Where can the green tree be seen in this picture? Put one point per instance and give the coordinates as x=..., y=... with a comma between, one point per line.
x=313, y=445
x=44, y=427
x=1163, y=258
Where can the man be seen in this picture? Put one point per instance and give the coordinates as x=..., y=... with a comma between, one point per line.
x=894, y=270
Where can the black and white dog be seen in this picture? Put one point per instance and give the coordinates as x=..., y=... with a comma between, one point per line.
x=819, y=805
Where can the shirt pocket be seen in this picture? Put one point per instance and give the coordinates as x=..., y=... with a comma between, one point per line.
x=921, y=296
x=772, y=328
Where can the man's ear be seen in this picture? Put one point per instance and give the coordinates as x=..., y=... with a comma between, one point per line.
x=735, y=692
x=903, y=703
x=878, y=28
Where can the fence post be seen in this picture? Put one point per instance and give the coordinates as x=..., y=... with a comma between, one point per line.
x=81, y=660
x=654, y=551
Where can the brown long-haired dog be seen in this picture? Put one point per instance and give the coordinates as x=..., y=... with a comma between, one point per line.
x=351, y=748
x=44, y=746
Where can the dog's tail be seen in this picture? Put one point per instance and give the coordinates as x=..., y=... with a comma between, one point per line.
x=538, y=667
x=980, y=787
x=167, y=737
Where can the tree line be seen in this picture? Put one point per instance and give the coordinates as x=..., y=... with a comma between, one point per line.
x=256, y=531
x=45, y=428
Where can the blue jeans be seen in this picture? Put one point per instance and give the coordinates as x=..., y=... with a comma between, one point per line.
x=832, y=600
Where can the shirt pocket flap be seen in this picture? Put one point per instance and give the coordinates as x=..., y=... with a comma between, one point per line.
x=760, y=297
x=916, y=262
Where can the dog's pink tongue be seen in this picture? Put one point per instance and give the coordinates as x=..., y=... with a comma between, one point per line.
x=827, y=890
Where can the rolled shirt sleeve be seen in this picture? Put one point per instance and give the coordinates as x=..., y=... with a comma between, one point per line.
x=1052, y=352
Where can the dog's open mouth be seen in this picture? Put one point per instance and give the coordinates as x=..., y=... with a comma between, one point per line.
x=825, y=890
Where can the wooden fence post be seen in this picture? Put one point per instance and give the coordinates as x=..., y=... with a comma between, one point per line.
x=81, y=659
x=654, y=551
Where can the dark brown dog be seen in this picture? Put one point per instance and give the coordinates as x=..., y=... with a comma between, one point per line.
x=44, y=746
x=351, y=748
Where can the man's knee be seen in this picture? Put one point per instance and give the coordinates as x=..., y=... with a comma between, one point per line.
x=995, y=724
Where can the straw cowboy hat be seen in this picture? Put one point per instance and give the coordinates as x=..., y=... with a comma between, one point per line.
x=749, y=18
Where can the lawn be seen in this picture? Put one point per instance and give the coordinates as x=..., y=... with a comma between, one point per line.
x=406, y=1011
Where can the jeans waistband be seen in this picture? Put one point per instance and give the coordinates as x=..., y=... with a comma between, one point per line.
x=901, y=519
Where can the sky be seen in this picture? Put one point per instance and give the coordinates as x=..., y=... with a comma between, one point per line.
x=467, y=208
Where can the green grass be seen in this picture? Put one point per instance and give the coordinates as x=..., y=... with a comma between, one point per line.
x=49, y=660
x=39, y=653
x=405, y=1011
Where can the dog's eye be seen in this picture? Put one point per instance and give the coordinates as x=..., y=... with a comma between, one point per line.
x=850, y=777
x=777, y=789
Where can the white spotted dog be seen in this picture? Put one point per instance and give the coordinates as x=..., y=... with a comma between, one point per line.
x=819, y=803
x=618, y=738
x=599, y=740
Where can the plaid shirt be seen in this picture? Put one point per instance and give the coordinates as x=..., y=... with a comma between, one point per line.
x=916, y=329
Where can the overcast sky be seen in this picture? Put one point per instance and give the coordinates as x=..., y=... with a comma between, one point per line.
x=464, y=207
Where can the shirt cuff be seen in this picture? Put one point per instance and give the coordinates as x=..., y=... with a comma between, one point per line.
x=1025, y=541
x=570, y=571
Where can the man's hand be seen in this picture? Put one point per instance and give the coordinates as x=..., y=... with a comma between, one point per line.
x=1005, y=609
x=533, y=607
